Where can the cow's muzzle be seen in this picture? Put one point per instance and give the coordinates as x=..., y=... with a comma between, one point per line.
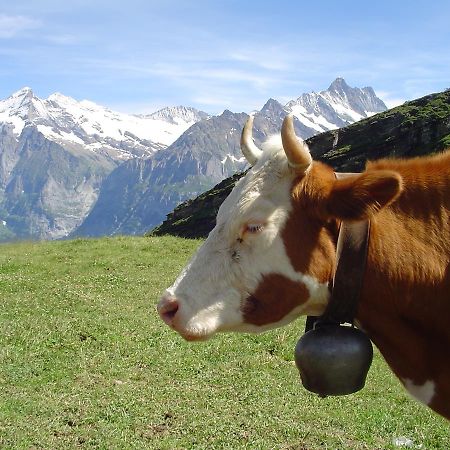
x=169, y=311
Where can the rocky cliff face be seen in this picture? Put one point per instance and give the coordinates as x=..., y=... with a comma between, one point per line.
x=9, y=156
x=416, y=128
x=47, y=189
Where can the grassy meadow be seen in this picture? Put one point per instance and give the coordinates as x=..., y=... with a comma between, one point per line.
x=86, y=363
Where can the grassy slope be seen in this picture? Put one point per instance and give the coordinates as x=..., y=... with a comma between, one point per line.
x=85, y=362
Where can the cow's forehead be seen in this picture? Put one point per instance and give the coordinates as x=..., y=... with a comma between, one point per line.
x=260, y=189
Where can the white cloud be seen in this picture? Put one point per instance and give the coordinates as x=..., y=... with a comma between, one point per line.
x=11, y=26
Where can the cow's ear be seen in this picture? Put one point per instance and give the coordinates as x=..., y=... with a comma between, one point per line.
x=359, y=197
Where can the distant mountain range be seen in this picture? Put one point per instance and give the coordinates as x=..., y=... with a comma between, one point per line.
x=70, y=168
x=84, y=124
x=56, y=153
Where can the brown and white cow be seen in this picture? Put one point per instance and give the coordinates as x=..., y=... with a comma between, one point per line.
x=271, y=256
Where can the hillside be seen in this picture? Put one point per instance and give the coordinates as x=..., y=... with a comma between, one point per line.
x=416, y=128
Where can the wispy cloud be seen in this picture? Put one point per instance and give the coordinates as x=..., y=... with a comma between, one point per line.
x=270, y=59
x=11, y=26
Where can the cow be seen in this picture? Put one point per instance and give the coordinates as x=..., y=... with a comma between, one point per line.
x=271, y=256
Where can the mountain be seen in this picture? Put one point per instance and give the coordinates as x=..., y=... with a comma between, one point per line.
x=55, y=154
x=139, y=193
x=208, y=152
x=181, y=116
x=116, y=135
x=338, y=106
x=75, y=168
x=416, y=128
x=45, y=188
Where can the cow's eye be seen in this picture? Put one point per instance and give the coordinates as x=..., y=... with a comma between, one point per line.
x=254, y=228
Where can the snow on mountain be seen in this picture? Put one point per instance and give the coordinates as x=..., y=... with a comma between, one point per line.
x=178, y=115
x=16, y=109
x=233, y=159
x=338, y=106
x=121, y=136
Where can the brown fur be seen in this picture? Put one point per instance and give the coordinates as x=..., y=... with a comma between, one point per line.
x=405, y=302
x=274, y=299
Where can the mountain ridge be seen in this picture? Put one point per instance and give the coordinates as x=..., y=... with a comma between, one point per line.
x=203, y=156
x=98, y=172
x=120, y=136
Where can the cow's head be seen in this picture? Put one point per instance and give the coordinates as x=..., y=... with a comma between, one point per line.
x=271, y=254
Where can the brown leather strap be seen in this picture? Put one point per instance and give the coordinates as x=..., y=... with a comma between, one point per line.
x=351, y=255
x=350, y=267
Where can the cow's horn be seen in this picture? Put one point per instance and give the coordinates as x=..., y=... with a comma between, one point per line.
x=248, y=147
x=296, y=150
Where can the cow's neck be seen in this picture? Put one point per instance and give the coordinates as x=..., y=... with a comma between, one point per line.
x=404, y=303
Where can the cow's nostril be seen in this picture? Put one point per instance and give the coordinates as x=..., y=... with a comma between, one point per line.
x=168, y=315
x=167, y=310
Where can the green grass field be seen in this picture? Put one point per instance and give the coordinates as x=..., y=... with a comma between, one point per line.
x=86, y=363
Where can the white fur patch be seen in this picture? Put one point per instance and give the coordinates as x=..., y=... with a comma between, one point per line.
x=230, y=265
x=422, y=392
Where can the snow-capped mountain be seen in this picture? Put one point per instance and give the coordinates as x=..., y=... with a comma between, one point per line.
x=55, y=154
x=338, y=106
x=68, y=165
x=177, y=115
x=70, y=122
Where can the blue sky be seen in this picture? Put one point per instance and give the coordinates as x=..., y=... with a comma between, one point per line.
x=137, y=56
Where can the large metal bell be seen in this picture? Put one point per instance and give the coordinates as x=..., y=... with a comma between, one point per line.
x=333, y=359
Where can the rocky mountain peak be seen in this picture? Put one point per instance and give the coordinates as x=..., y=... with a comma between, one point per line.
x=271, y=106
x=17, y=100
x=227, y=114
x=339, y=85
x=60, y=99
x=363, y=100
x=23, y=107
x=24, y=93
x=338, y=106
